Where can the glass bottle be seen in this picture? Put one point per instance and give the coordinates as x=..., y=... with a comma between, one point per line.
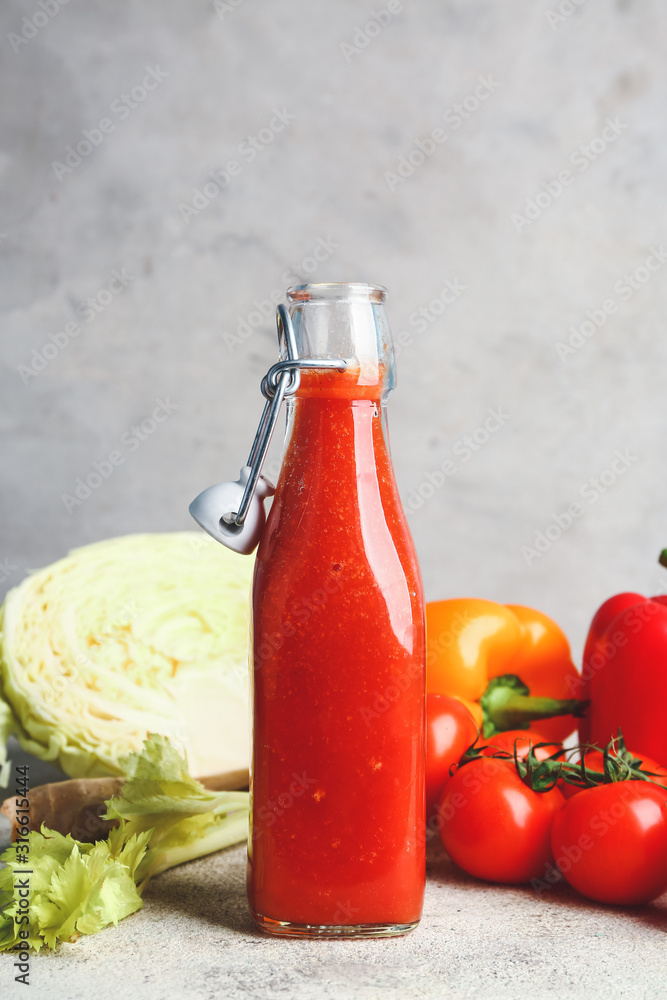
x=338, y=652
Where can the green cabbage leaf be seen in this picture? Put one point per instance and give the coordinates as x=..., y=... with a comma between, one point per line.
x=164, y=817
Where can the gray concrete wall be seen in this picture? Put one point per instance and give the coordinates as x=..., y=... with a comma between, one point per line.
x=354, y=100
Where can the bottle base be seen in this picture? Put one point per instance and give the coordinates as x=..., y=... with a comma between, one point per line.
x=285, y=928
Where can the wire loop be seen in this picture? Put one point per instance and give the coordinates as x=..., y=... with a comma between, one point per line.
x=282, y=379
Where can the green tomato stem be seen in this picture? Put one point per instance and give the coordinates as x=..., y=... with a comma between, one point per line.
x=508, y=704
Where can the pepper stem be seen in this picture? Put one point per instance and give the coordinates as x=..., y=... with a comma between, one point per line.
x=662, y=558
x=508, y=704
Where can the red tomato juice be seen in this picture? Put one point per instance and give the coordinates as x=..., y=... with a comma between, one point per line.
x=337, y=819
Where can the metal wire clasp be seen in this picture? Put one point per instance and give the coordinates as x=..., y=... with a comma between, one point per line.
x=282, y=379
x=239, y=525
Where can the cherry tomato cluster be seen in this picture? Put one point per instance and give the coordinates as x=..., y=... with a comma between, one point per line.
x=517, y=811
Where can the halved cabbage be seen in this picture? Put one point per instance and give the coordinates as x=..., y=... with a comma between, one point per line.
x=134, y=635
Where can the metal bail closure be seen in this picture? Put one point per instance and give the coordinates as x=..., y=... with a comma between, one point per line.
x=233, y=513
x=226, y=497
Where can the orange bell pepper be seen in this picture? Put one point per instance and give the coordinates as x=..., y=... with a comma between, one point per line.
x=508, y=664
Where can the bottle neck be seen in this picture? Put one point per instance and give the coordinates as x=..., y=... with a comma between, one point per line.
x=352, y=384
x=345, y=322
x=333, y=412
x=336, y=485
x=336, y=438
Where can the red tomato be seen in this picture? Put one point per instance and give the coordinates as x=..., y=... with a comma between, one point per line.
x=524, y=738
x=495, y=827
x=610, y=843
x=595, y=762
x=450, y=730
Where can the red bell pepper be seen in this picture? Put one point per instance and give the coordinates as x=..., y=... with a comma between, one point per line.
x=624, y=674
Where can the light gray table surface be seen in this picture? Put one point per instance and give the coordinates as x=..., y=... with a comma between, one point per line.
x=194, y=940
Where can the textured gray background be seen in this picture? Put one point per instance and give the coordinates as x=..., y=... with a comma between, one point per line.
x=323, y=177
x=167, y=336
